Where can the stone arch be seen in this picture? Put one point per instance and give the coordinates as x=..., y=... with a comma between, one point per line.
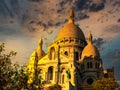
x=50, y=73
x=89, y=79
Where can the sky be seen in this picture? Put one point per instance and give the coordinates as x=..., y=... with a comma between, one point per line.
x=23, y=22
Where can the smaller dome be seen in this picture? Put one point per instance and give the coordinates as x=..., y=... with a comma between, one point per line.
x=90, y=50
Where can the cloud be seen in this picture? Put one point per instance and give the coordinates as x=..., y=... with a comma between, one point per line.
x=35, y=0
x=113, y=29
x=99, y=43
x=94, y=5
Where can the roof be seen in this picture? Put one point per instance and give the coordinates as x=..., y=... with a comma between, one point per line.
x=70, y=29
x=90, y=50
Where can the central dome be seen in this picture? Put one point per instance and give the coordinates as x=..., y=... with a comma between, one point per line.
x=71, y=30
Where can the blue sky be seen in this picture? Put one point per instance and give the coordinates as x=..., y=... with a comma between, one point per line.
x=111, y=56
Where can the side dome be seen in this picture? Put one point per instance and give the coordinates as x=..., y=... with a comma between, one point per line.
x=90, y=50
x=70, y=29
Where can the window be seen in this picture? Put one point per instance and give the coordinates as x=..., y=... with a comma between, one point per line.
x=89, y=81
x=52, y=53
x=50, y=73
x=71, y=40
x=63, y=79
x=90, y=64
x=96, y=65
x=66, y=53
x=76, y=56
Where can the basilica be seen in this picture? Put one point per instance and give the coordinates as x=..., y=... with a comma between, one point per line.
x=70, y=62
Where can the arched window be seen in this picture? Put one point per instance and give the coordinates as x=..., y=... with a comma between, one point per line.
x=76, y=56
x=91, y=65
x=89, y=81
x=50, y=73
x=96, y=65
x=88, y=65
x=63, y=77
x=52, y=53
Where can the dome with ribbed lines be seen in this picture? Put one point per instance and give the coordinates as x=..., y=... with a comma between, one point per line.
x=90, y=50
x=70, y=29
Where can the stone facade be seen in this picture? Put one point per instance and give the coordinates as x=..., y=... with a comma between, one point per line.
x=70, y=62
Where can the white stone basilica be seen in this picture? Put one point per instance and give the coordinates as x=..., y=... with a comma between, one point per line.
x=70, y=62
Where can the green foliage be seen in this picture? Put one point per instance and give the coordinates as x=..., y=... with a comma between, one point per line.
x=105, y=84
x=6, y=68
x=13, y=76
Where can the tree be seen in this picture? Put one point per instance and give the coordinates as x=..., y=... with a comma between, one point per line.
x=12, y=76
x=6, y=68
x=105, y=84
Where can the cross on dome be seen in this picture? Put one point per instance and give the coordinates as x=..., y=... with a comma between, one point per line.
x=71, y=16
x=89, y=37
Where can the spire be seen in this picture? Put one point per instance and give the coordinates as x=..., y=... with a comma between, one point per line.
x=40, y=42
x=89, y=37
x=71, y=16
x=40, y=52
